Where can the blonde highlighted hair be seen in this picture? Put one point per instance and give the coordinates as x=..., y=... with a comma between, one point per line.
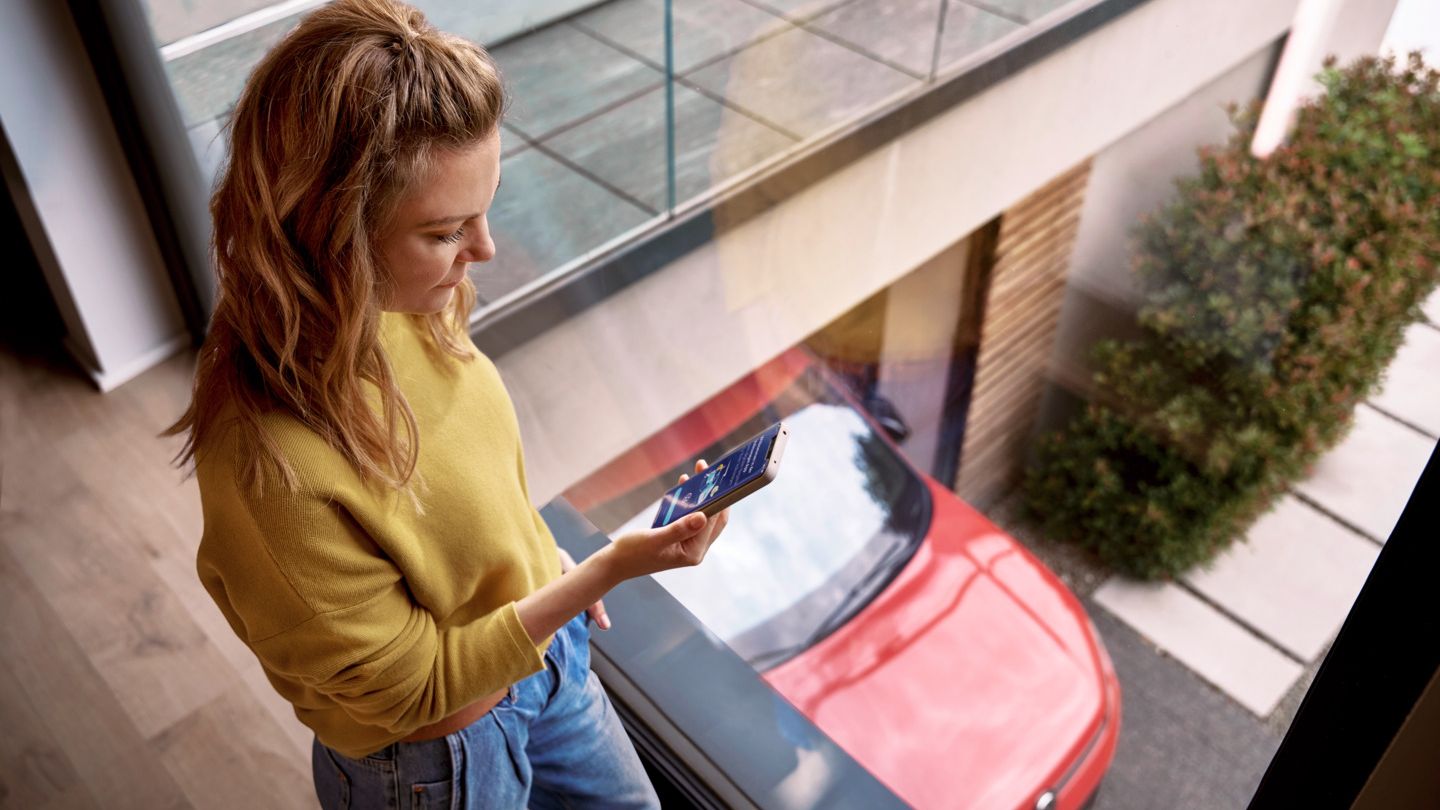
x=332, y=128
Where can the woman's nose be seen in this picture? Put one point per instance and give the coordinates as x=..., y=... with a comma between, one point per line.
x=481, y=248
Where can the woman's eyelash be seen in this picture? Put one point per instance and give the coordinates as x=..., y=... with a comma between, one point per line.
x=452, y=238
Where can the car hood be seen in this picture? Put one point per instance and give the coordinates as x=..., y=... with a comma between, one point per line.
x=972, y=680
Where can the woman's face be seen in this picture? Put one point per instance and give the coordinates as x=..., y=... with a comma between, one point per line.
x=440, y=227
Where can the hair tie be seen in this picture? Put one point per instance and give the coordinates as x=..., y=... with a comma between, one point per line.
x=403, y=41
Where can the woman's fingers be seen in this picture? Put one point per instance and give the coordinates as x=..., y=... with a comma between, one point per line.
x=713, y=527
x=700, y=466
x=717, y=525
x=697, y=545
x=597, y=612
x=701, y=538
x=566, y=561
x=683, y=529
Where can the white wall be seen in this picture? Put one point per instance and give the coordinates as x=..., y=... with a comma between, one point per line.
x=594, y=385
x=1361, y=25
x=1415, y=26
x=1131, y=178
x=94, y=240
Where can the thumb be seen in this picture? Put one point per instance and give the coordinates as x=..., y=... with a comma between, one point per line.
x=684, y=527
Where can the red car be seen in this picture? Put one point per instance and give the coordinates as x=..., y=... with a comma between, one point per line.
x=926, y=642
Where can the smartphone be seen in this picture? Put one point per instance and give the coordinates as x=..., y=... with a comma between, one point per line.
x=738, y=473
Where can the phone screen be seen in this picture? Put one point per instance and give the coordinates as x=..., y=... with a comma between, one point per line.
x=735, y=469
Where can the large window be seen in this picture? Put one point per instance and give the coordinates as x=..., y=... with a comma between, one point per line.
x=1095, y=414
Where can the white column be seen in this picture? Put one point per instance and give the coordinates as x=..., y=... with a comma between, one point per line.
x=1345, y=29
x=1294, y=77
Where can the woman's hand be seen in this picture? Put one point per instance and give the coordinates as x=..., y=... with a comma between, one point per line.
x=635, y=554
x=597, y=610
x=680, y=544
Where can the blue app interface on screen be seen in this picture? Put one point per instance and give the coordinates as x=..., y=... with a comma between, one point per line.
x=736, y=469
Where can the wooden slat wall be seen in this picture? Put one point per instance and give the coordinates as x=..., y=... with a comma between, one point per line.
x=1021, y=312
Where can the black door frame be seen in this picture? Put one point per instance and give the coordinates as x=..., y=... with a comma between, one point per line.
x=1387, y=652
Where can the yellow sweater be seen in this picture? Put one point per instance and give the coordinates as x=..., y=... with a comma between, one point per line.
x=370, y=619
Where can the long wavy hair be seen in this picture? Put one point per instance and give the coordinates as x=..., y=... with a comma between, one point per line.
x=331, y=130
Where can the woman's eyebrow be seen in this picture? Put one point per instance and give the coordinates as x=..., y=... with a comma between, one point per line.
x=430, y=223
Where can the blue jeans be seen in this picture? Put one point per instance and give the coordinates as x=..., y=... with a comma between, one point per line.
x=554, y=741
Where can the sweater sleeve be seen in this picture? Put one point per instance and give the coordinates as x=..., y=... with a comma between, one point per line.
x=320, y=605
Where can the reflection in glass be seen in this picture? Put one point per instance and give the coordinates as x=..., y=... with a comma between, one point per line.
x=587, y=131
x=805, y=541
x=853, y=584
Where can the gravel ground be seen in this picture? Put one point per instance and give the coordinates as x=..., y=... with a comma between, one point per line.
x=1076, y=567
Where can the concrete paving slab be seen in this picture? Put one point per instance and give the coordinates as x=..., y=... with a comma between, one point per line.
x=1431, y=308
x=176, y=19
x=208, y=142
x=798, y=10
x=1253, y=673
x=903, y=32
x=1367, y=479
x=801, y=83
x=626, y=146
x=511, y=142
x=1411, y=389
x=1027, y=10
x=560, y=74
x=545, y=215
x=1293, y=578
x=703, y=29
x=208, y=81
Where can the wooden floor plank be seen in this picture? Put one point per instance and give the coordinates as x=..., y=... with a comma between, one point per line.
x=117, y=642
x=55, y=678
x=35, y=771
x=132, y=628
x=124, y=428
x=179, y=575
x=230, y=753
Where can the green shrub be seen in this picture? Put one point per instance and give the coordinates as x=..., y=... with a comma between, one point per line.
x=1275, y=293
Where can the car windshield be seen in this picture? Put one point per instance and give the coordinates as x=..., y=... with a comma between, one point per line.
x=812, y=548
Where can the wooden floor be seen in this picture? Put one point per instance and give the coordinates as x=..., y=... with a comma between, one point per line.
x=121, y=685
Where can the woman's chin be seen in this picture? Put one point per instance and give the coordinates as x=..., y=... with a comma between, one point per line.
x=434, y=301
x=440, y=299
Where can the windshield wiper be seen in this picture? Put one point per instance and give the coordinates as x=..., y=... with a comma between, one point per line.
x=894, y=557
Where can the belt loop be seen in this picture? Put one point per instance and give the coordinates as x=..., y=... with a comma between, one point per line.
x=457, y=765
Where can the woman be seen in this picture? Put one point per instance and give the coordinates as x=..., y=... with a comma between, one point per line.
x=368, y=530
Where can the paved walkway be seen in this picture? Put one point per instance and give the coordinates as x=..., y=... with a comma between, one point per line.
x=1259, y=618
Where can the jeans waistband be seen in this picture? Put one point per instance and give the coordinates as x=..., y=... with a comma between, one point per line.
x=561, y=651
